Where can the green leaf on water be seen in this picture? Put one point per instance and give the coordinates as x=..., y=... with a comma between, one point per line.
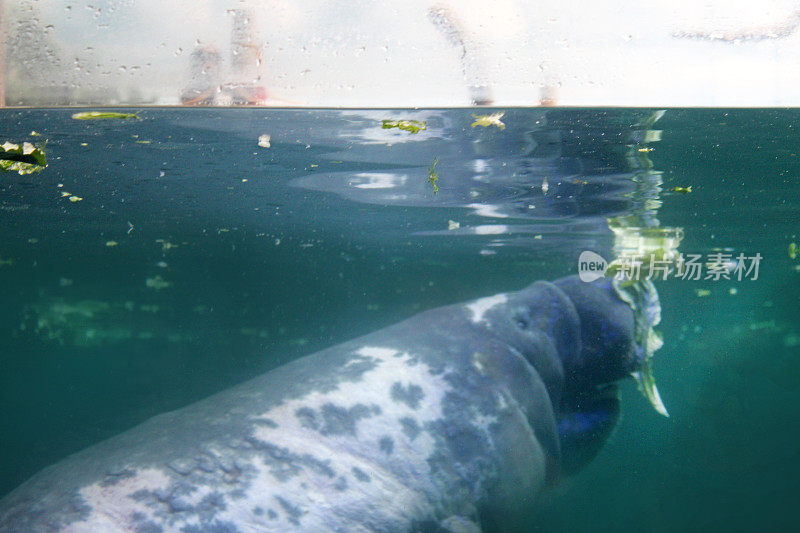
x=22, y=158
x=412, y=126
x=101, y=115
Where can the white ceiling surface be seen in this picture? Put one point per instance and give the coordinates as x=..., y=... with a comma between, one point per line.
x=366, y=53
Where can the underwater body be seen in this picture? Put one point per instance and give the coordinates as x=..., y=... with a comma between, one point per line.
x=163, y=258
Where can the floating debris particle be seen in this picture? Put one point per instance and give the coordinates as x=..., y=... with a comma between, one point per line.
x=793, y=250
x=165, y=245
x=102, y=115
x=681, y=190
x=71, y=197
x=130, y=227
x=22, y=159
x=545, y=185
x=411, y=126
x=263, y=141
x=84, y=144
x=702, y=292
x=452, y=224
x=34, y=133
x=33, y=240
x=143, y=142
x=489, y=120
x=6, y=262
x=537, y=237
x=65, y=282
x=732, y=291
x=157, y=283
x=111, y=244
x=433, y=176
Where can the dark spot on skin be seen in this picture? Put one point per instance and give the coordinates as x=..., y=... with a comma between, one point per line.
x=143, y=494
x=179, y=505
x=206, y=464
x=410, y=427
x=112, y=478
x=411, y=395
x=339, y=420
x=360, y=475
x=386, y=444
x=272, y=514
x=212, y=527
x=294, y=512
x=355, y=370
x=212, y=503
x=228, y=466
x=145, y=525
x=285, y=464
x=237, y=494
x=341, y=484
x=267, y=422
x=182, y=467
x=307, y=418
x=149, y=527
x=258, y=511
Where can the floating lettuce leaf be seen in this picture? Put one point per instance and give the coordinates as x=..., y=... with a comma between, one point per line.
x=412, y=126
x=23, y=158
x=642, y=296
x=489, y=120
x=101, y=115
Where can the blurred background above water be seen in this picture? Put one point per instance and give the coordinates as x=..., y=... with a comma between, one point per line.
x=365, y=53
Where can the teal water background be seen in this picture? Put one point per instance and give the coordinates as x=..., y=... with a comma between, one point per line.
x=259, y=255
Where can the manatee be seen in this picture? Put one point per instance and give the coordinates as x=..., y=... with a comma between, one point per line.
x=455, y=419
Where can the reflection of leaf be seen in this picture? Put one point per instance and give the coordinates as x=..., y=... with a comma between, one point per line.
x=24, y=159
x=412, y=126
x=99, y=115
x=433, y=176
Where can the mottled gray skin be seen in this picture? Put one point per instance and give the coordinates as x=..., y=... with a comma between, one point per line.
x=442, y=422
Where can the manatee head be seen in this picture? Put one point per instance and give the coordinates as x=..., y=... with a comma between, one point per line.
x=617, y=341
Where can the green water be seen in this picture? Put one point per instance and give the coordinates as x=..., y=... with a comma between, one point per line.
x=259, y=255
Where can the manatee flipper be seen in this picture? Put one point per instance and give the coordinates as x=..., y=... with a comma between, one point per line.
x=584, y=425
